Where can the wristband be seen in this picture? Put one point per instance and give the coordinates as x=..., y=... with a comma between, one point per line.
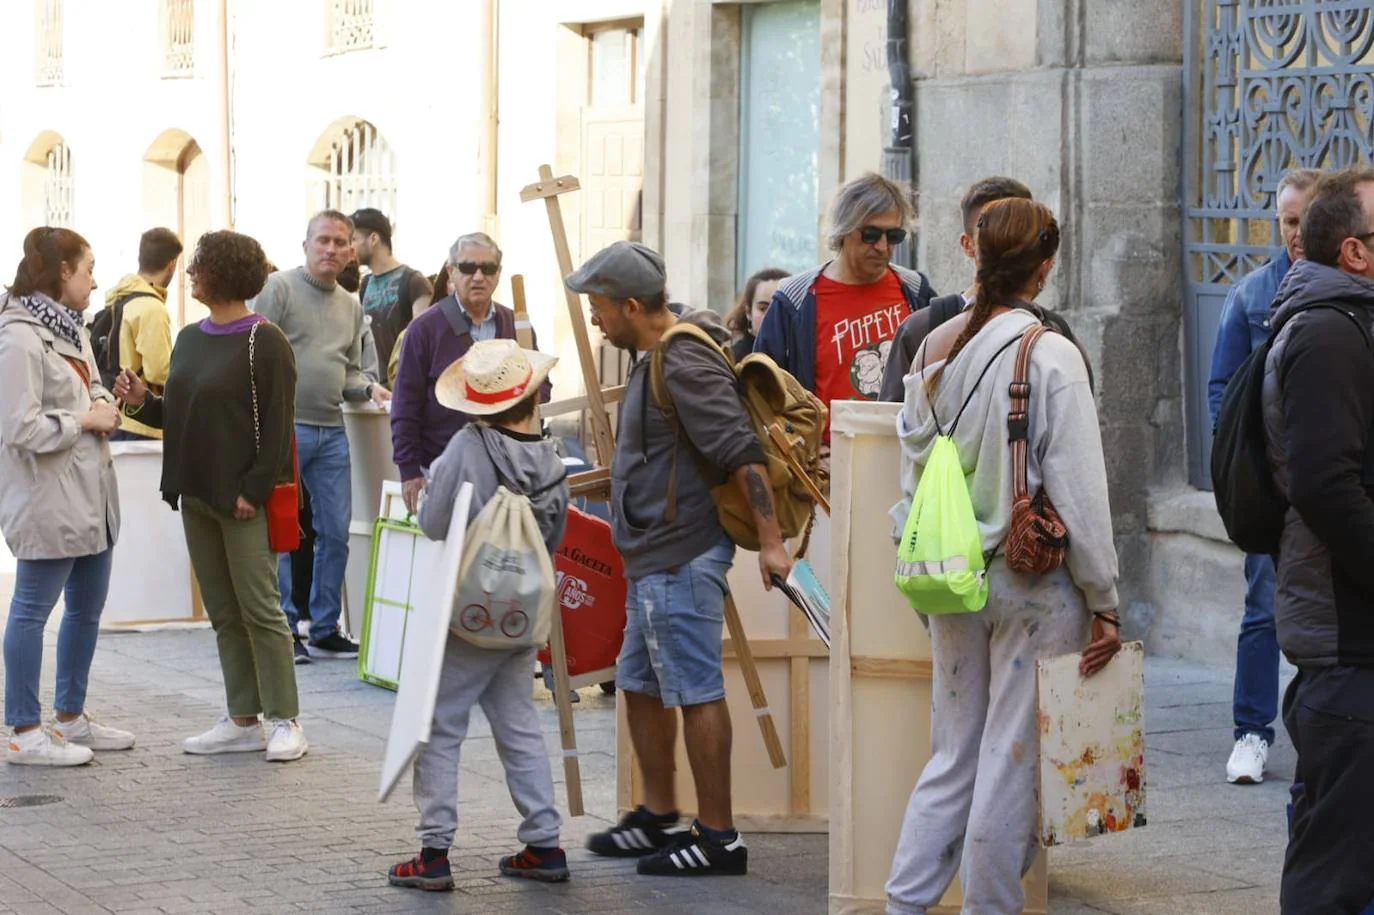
x=1106, y=617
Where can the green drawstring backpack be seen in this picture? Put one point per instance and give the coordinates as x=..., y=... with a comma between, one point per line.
x=940, y=563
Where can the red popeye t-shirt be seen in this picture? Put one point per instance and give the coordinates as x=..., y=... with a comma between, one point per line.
x=855, y=326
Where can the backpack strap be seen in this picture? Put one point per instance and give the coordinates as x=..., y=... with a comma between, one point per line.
x=658, y=389
x=1018, y=416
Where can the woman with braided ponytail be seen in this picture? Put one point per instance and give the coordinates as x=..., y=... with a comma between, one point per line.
x=976, y=800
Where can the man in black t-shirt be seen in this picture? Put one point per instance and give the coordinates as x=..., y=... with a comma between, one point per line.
x=391, y=291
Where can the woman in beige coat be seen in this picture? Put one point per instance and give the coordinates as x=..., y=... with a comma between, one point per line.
x=59, y=508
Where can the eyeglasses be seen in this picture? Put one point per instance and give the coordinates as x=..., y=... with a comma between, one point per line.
x=468, y=268
x=869, y=235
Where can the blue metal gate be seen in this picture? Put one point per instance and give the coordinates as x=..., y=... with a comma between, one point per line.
x=1268, y=86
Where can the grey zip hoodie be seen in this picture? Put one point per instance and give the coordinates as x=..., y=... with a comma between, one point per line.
x=488, y=458
x=718, y=439
x=1064, y=453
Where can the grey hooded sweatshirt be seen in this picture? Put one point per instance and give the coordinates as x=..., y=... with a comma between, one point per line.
x=1319, y=427
x=1064, y=453
x=487, y=458
x=718, y=439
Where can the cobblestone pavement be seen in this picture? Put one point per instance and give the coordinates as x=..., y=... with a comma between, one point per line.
x=154, y=830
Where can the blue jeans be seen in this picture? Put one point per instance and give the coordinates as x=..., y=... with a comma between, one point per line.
x=37, y=586
x=327, y=472
x=1256, y=701
x=673, y=623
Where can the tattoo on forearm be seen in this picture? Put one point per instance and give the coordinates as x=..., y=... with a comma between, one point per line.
x=760, y=496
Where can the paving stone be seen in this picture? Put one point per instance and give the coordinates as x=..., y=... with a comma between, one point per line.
x=153, y=829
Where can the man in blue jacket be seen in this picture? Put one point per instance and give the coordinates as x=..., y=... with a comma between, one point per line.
x=1245, y=326
x=832, y=327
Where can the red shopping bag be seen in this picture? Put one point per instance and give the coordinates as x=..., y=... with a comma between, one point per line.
x=591, y=595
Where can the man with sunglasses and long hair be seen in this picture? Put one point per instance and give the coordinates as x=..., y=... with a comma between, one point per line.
x=832, y=326
x=420, y=426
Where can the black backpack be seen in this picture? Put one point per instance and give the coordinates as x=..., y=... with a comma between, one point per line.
x=105, y=338
x=1248, y=500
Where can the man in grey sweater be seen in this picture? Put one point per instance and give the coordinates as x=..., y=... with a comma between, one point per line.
x=675, y=606
x=325, y=327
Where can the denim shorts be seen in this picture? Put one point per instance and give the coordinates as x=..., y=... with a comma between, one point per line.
x=673, y=622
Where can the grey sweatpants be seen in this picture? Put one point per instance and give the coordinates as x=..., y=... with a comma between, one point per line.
x=501, y=682
x=978, y=798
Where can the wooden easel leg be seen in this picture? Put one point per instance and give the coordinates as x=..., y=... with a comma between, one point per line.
x=562, y=697
x=750, y=670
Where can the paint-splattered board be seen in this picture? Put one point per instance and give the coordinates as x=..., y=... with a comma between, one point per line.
x=1092, y=747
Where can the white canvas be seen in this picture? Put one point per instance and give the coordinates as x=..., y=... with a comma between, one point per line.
x=436, y=573
x=1092, y=747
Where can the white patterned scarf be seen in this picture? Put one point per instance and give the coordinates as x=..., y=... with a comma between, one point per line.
x=56, y=317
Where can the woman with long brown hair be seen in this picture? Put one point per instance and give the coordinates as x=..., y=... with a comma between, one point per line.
x=59, y=503
x=976, y=800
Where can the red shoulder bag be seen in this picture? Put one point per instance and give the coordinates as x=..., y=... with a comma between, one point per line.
x=283, y=506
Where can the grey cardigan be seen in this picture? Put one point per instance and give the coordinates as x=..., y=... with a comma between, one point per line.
x=58, y=495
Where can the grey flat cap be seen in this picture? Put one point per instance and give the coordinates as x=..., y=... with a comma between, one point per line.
x=625, y=270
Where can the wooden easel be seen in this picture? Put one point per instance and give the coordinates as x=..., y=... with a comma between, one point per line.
x=596, y=483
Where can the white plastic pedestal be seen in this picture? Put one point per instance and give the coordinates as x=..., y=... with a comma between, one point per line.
x=369, y=444
x=151, y=581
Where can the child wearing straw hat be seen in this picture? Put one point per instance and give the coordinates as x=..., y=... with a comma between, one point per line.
x=497, y=383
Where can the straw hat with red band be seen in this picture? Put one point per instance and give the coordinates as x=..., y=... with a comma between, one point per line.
x=494, y=376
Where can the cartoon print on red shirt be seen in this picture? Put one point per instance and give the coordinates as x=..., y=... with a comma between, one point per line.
x=855, y=326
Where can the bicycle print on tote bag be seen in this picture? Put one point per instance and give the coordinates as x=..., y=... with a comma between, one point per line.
x=506, y=592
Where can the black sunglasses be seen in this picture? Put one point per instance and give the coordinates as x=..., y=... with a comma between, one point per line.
x=468, y=268
x=869, y=235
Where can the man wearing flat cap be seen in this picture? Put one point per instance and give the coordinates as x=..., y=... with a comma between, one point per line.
x=676, y=559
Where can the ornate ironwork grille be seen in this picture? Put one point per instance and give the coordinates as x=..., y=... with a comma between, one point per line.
x=361, y=172
x=348, y=25
x=1269, y=85
x=47, y=55
x=178, y=37
x=59, y=190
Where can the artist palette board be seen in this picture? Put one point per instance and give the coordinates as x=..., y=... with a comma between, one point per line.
x=1092, y=747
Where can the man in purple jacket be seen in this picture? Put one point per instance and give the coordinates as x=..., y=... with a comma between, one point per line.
x=420, y=426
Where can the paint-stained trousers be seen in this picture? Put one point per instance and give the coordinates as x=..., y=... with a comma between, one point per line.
x=978, y=797
x=499, y=681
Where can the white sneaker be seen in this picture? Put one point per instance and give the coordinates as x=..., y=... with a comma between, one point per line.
x=1246, y=765
x=287, y=741
x=93, y=734
x=226, y=737
x=38, y=748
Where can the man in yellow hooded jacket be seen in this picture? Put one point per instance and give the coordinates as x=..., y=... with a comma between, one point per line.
x=139, y=312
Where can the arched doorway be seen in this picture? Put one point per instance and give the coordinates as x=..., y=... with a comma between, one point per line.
x=352, y=166
x=47, y=193
x=176, y=194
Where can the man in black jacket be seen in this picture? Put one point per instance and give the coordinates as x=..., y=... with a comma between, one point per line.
x=1319, y=414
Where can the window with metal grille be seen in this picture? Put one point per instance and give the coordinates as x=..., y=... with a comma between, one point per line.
x=359, y=171
x=348, y=25
x=47, y=56
x=178, y=37
x=58, y=188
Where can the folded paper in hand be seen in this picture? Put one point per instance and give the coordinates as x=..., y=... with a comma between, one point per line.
x=804, y=589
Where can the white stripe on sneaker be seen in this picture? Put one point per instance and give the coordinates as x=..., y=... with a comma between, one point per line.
x=620, y=841
x=640, y=838
x=696, y=850
x=673, y=857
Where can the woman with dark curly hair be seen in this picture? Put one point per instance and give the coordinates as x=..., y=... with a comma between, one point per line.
x=227, y=414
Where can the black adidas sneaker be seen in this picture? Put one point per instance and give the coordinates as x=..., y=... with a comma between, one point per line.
x=638, y=833
x=696, y=855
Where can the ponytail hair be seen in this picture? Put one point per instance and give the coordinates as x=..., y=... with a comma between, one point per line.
x=1015, y=238
x=46, y=249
